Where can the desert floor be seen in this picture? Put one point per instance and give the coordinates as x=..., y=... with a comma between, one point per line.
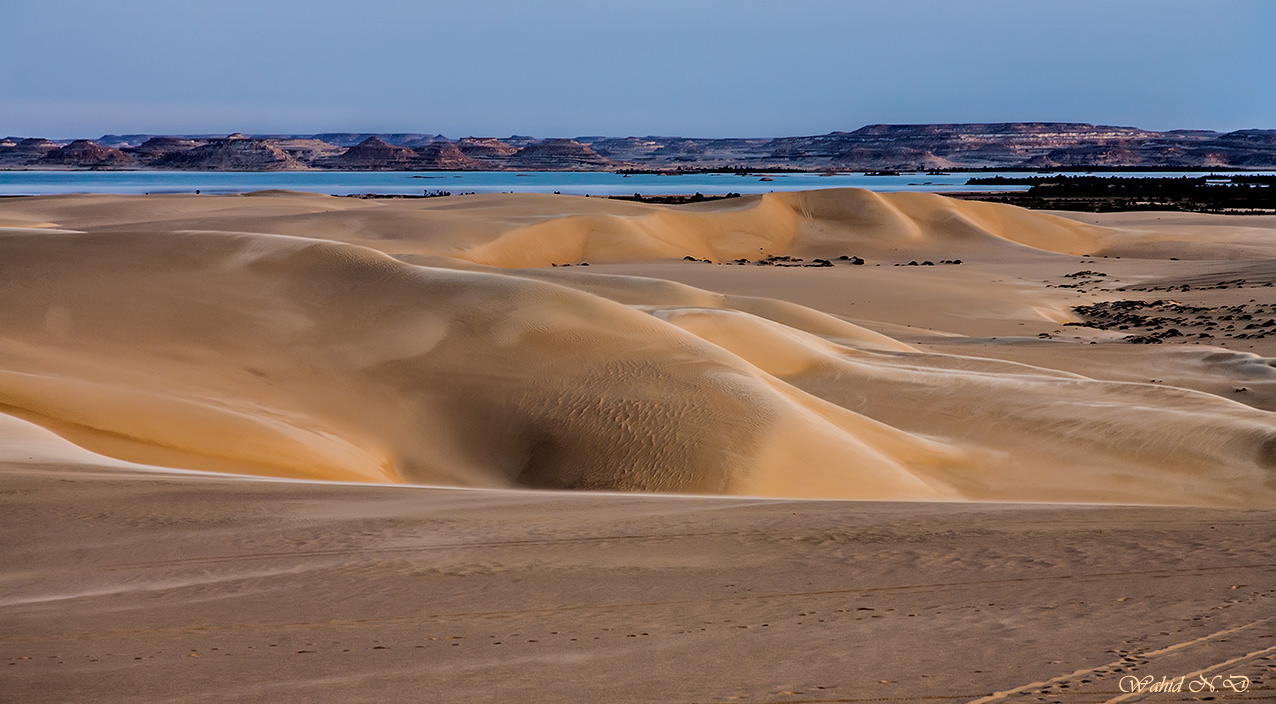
x=123, y=585
x=279, y=447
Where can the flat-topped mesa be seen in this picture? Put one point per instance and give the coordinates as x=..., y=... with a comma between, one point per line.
x=1246, y=148
x=946, y=145
x=234, y=153
x=372, y=154
x=1262, y=138
x=1024, y=145
x=444, y=156
x=560, y=155
x=83, y=153
x=25, y=151
x=1002, y=130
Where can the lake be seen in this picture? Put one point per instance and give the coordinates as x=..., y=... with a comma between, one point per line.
x=456, y=182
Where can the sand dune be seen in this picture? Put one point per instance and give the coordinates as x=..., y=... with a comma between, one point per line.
x=429, y=342
x=536, y=230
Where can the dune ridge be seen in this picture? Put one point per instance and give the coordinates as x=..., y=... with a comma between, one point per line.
x=385, y=346
x=537, y=230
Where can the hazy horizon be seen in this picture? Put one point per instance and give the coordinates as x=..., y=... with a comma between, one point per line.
x=454, y=137
x=574, y=68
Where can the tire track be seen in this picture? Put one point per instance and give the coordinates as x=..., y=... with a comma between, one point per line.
x=1001, y=695
x=1191, y=676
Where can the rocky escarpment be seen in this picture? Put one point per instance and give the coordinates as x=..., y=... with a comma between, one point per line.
x=306, y=151
x=23, y=152
x=156, y=148
x=1024, y=145
x=560, y=155
x=486, y=150
x=626, y=148
x=350, y=139
x=83, y=153
x=444, y=156
x=1008, y=145
x=123, y=141
x=235, y=153
x=372, y=154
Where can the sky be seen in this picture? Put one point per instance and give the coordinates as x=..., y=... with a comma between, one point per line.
x=561, y=68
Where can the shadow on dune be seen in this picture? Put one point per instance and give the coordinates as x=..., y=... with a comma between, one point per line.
x=296, y=357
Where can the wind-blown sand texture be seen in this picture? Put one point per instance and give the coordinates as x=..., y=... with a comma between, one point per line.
x=430, y=341
x=122, y=585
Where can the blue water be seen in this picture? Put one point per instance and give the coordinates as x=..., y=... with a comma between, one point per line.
x=409, y=183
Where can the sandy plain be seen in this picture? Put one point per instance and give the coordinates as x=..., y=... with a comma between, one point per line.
x=1040, y=508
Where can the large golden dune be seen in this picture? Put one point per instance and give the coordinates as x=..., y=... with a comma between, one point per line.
x=431, y=342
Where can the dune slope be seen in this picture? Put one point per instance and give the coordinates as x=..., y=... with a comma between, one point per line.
x=306, y=357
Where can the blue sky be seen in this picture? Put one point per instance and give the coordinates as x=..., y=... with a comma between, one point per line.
x=568, y=68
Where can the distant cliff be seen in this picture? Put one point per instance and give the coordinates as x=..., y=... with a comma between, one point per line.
x=559, y=155
x=1029, y=145
x=234, y=153
x=1009, y=145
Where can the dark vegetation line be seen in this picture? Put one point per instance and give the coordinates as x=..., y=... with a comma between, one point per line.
x=1230, y=193
x=674, y=199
